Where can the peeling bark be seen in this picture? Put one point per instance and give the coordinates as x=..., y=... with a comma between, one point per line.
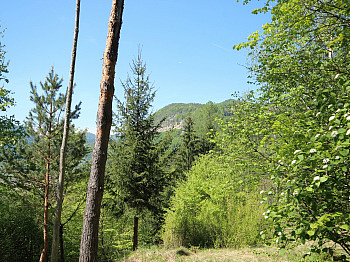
x=46, y=213
x=47, y=186
x=89, y=238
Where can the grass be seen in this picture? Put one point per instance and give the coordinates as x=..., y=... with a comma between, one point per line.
x=261, y=254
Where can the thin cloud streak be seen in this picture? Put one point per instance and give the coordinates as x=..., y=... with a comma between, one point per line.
x=221, y=47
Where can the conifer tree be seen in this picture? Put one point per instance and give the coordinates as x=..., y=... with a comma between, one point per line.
x=45, y=125
x=135, y=175
x=205, y=126
x=32, y=165
x=188, y=149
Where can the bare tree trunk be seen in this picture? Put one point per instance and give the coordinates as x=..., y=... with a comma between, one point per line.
x=46, y=211
x=57, y=223
x=89, y=238
x=47, y=186
x=136, y=230
x=61, y=243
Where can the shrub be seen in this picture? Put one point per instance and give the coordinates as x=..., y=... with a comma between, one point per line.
x=214, y=207
x=20, y=234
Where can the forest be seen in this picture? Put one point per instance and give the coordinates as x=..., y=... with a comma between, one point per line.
x=267, y=167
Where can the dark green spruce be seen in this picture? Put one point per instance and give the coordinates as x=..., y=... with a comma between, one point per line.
x=136, y=178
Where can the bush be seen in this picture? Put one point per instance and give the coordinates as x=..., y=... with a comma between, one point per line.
x=20, y=234
x=214, y=207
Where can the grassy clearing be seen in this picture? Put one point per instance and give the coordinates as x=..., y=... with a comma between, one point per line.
x=261, y=254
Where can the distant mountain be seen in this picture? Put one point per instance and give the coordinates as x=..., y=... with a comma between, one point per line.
x=90, y=138
x=176, y=113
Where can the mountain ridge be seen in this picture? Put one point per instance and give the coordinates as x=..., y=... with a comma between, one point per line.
x=176, y=113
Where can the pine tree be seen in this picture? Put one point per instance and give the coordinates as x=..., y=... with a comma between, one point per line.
x=32, y=165
x=135, y=174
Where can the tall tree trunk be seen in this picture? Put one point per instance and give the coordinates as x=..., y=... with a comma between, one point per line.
x=46, y=213
x=89, y=238
x=57, y=223
x=136, y=230
x=47, y=186
x=61, y=243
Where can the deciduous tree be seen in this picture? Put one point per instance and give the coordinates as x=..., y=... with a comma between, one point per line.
x=300, y=62
x=10, y=128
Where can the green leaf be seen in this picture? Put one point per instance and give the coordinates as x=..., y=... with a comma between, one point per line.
x=341, y=130
x=310, y=189
x=344, y=152
x=311, y=232
x=323, y=179
x=314, y=225
x=345, y=227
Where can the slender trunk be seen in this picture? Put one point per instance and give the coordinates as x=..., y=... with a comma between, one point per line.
x=46, y=212
x=57, y=223
x=136, y=230
x=61, y=243
x=47, y=185
x=89, y=238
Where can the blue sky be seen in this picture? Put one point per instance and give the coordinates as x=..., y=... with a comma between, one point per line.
x=186, y=44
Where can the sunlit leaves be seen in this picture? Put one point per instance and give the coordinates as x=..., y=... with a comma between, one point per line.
x=10, y=129
x=300, y=63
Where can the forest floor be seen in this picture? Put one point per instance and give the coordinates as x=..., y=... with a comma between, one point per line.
x=259, y=254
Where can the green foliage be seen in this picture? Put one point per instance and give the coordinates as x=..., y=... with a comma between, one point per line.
x=175, y=113
x=10, y=129
x=205, y=124
x=300, y=63
x=196, y=138
x=116, y=231
x=134, y=172
x=5, y=100
x=25, y=165
x=136, y=168
x=20, y=232
x=3, y=63
x=188, y=150
x=214, y=207
x=205, y=116
x=73, y=212
x=72, y=217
